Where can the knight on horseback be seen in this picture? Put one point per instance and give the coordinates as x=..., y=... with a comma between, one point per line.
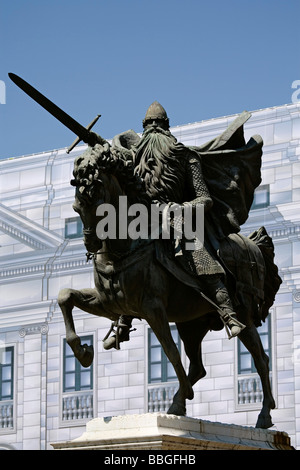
x=173, y=173
x=164, y=281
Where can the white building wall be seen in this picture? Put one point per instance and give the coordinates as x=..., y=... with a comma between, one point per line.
x=36, y=261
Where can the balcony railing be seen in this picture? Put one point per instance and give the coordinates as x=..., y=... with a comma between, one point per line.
x=249, y=390
x=160, y=396
x=77, y=406
x=6, y=414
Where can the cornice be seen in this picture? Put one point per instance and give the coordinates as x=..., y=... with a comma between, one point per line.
x=34, y=313
x=46, y=266
x=279, y=233
x=26, y=231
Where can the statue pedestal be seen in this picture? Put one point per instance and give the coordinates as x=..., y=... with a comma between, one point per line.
x=157, y=431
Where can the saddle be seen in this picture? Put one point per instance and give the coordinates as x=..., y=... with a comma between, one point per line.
x=244, y=267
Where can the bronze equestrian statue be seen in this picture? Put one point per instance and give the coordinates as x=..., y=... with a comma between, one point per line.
x=226, y=280
x=230, y=280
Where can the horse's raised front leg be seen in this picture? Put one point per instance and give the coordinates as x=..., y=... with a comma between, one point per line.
x=157, y=319
x=251, y=339
x=88, y=301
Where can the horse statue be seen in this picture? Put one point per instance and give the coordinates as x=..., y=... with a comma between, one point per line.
x=141, y=278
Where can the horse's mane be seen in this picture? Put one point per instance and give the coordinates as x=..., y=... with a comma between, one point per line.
x=132, y=184
x=89, y=166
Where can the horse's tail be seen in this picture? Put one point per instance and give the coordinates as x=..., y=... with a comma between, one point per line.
x=272, y=279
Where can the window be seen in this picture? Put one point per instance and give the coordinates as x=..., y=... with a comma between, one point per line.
x=160, y=368
x=6, y=373
x=245, y=360
x=76, y=377
x=78, y=394
x=6, y=388
x=73, y=227
x=261, y=197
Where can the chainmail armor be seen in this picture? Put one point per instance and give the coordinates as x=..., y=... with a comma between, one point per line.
x=200, y=261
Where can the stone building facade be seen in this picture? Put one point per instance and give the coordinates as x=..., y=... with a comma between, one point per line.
x=45, y=396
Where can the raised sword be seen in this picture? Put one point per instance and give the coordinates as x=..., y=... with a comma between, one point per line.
x=83, y=133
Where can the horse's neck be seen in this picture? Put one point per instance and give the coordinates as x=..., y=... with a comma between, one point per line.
x=113, y=249
x=121, y=244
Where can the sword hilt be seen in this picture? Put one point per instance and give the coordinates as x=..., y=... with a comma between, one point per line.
x=88, y=127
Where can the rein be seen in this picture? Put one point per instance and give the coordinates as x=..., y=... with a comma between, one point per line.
x=123, y=258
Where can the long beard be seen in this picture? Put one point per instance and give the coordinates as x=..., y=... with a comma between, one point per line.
x=159, y=161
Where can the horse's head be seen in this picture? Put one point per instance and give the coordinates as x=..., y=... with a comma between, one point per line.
x=100, y=176
x=92, y=189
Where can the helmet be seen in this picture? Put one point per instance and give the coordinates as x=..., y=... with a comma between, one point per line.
x=156, y=111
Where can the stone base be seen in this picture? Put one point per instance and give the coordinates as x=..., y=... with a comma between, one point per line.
x=157, y=431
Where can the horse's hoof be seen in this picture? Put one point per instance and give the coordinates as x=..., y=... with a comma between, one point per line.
x=264, y=422
x=86, y=355
x=177, y=409
x=190, y=395
x=189, y=392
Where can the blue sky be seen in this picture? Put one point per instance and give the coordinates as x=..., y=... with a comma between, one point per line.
x=200, y=59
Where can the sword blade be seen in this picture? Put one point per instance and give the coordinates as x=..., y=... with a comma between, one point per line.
x=57, y=112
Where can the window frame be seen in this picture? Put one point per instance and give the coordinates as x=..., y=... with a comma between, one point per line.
x=68, y=394
x=13, y=400
x=78, y=369
x=244, y=352
x=164, y=361
x=12, y=368
x=79, y=228
x=260, y=189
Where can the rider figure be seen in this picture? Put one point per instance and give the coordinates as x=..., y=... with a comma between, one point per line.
x=173, y=173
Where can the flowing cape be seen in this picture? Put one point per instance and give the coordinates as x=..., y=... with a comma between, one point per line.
x=232, y=171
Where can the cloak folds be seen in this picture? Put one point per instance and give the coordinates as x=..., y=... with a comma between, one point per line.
x=232, y=171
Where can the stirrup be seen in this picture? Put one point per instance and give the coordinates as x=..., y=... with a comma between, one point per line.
x=121, y=333
x=232, y=326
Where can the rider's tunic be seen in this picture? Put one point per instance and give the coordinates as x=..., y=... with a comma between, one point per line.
x=190, y=188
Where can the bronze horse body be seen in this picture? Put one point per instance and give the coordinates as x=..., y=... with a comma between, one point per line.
x=144, y=282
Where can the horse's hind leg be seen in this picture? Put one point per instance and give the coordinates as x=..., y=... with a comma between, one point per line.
x=88, y=301
x=251, y=339
x=192, y=334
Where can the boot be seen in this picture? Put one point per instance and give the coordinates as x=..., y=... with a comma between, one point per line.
x=232, y=325
x=122, y=325
x=218, y=293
